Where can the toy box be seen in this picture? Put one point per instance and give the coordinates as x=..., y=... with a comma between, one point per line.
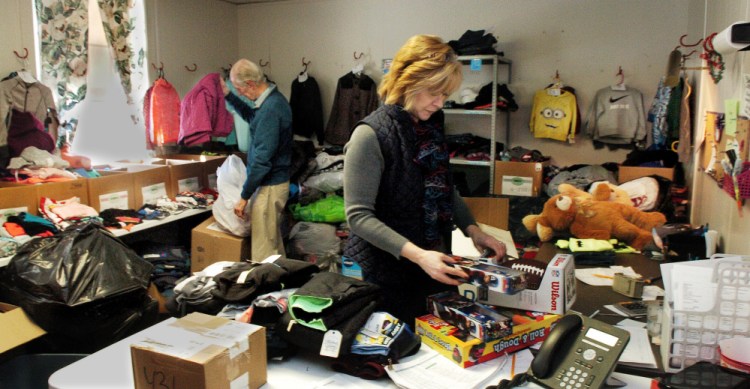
x=492, y=278
x=556, y=292
x=478, y=320
x=528, y=329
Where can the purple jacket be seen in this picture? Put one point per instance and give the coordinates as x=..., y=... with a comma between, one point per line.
x=203, y=113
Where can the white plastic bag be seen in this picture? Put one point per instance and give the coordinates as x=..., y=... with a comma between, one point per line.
x=230, y=177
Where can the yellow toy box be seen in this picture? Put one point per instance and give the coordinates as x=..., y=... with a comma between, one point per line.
x=528, y=328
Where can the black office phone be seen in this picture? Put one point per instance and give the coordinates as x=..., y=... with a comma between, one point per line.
x=578, y=350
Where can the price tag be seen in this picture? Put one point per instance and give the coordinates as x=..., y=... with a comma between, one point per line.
x=331, y=344
x=475, y=65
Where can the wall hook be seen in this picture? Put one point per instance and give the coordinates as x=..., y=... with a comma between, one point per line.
x=195, y=67
x=260, y=62
x=25, y=54
x=360, y=55
x=683, y=44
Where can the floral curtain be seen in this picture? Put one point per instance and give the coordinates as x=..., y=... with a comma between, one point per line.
x=63, y=30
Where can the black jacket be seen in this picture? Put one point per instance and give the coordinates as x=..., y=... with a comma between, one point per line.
x=307, y=109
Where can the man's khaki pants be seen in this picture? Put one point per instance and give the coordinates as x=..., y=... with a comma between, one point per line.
x=267, y=206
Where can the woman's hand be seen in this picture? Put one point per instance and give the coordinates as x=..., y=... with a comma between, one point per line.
x=482, y=241
x=436, y=264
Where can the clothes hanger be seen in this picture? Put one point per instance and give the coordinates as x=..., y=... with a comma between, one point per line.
x=303, y=74
x=556, y=88
x=23, y=74
x=620, y=85
x=358, y=66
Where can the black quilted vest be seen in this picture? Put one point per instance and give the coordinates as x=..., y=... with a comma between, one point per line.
x=399, y=200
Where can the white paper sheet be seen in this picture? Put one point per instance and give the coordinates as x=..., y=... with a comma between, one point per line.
x=463, y=246
x=638, y=351
x=603, y=276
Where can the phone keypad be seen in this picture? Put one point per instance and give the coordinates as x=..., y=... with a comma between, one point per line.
x=575, y=377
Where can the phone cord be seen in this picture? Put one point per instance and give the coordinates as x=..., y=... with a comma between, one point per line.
x=518, y=380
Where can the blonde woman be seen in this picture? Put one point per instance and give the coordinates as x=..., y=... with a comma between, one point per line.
x=400, y=202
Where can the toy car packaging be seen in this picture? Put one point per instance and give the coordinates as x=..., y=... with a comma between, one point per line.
x=477, y=320
x=493, y=278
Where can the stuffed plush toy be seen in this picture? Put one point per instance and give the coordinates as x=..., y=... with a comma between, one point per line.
x=600, y=190
x=585, y=217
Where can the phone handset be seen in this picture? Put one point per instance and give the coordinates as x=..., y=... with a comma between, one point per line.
x=542, y=366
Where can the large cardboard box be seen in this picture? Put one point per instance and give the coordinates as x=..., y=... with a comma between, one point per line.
x=65, y=190
x=201, y=351
x=185, y=176
x=556, y=292
x=518, y=178
x=17, y=327
x=150, y=182
x=468, y=351
x=113, y=189
x=211, y=244
x=17, y=199
x=210, y=164
x=629, y=173
x=492, y=211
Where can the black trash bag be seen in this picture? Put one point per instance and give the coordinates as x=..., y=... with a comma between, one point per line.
x=83, y=284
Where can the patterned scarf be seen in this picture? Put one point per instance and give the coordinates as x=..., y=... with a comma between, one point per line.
x=433, y=158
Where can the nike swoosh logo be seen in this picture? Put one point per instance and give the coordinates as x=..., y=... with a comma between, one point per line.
x=611, y=100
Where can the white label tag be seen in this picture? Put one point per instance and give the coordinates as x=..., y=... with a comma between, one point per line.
x=189, y=184
x=153, y=192
x=517, y=186
x=243, y=276
x=271, y=258
x=554, y=91
x=117, y=200
x=331, y=344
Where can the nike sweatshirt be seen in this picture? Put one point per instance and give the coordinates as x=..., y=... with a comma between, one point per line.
x=616, y=117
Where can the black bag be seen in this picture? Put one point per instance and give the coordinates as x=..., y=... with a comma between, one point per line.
x=83, y=284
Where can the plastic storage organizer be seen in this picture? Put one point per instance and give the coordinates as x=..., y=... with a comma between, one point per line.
x=688, y=337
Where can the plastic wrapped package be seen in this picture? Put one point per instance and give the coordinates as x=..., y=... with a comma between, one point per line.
x=83, y=284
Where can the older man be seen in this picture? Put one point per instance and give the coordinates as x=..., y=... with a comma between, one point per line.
x=268, y=156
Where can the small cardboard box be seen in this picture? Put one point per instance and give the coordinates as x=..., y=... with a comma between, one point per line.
x=17, y=199
x=556, y=292
x=518, y=178
x=114, y=189
x=183, y=176
x=492, y=211
x=478, y=320
x=17, y=327
x=201, y=351
x=468, y=351
x=211, y=244
x=65, y=190
x=210, y=164
x=629, y=173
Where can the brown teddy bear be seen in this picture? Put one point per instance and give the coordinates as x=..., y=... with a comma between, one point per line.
x=601, y=190
x=584, y=217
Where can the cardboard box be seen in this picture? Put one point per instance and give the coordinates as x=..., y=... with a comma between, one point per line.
x=210, y=164
x=150, y=182
x=492, y=211
x=350, y=268
x=468, y=351
x=211, y=244
x=185, y=176
x=556, y=293
x=518, y=178
x=629, y=173
x=476, y=319
x=17, y=199
x=65, y=190
x=114, y=189
x=201, y=351
x=17, y=327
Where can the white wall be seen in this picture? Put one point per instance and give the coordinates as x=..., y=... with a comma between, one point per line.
x=15, y=35
x=714, y=206
x=585, y=40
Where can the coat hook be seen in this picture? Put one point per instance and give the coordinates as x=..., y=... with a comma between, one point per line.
x=682, y=43
x=260, y=62
x=25, y=52
x=160, y=68
x=621, y=74
x=195, y=67
x=305, y=64
x=360, y=55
